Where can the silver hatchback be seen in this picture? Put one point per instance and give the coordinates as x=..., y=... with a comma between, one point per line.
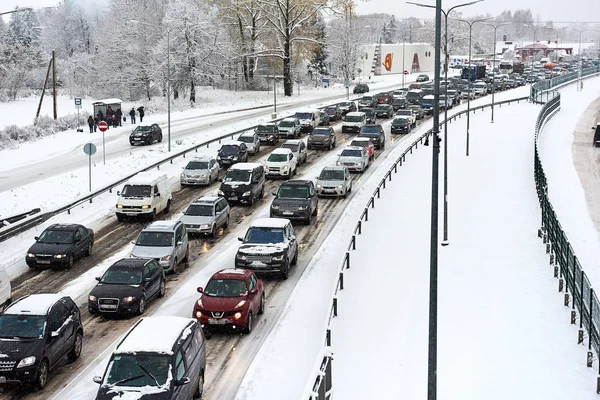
x=200, y=171
x=206, y=215
x=164, y=241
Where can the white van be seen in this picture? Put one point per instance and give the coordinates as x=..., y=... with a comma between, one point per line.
x=5, y=290
x=146, y=194
x=353, y=121
x=309, y=120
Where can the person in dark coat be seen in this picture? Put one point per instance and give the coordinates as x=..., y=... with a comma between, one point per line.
x=132, y=115
x=141, y=111
x=96, y=120
x=100, y=116
x=119, y=115
x=90, y=122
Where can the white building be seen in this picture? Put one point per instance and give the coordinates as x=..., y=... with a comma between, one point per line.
x=385, y=59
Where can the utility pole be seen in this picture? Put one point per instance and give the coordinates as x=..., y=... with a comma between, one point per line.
x=54, y=84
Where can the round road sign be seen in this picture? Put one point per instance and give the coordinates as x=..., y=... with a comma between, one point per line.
x=89, y=148
x=405, y=72
x=102, y=126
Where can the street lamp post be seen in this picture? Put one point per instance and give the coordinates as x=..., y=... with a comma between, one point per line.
x=470, y=23
x=494, y=64
x=16, y=10
x=135, y=21
x=580, y=72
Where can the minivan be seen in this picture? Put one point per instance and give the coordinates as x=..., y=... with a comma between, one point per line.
x=165, y=354
x=308, y=120
x=146, y=194
x=243, y=183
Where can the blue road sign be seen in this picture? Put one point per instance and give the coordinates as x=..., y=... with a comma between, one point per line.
x=77, y=101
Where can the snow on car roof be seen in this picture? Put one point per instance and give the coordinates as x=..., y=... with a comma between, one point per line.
x=292, y=141
x=162, y=224
x=245, y=166
x=233, y=271
x=280, y=150
x=361, y=139
x=249, y=133
x=270, y=223
x=35, y=304
x=234, y=143
x=290, y=119
x=145, y=178
x=154, y=335
x=206, y=199
x=428, y=97
x=356, y=114
x=204, y=157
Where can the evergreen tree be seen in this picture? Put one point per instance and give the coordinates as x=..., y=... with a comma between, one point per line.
x=317, y=63
x=393, y=29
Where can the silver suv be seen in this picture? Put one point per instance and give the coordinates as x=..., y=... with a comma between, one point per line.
x=200, y=171
x=334, y=181
x=206, y=215
x=164, y=241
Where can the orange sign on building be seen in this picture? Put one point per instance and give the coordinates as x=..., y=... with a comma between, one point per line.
x=387, y=62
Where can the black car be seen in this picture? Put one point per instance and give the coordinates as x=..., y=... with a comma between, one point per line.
x=399, y=103
x=346, y=107
x=61, y=245
x=295, y=199
x=243, y=183
x=384, y=110
x=366, y=102
x=400, y=125
x=375, y=133
x=127, y=286
x=334, y=112
x=267, y=133
x=361, y=88
x=232, y=153
x=422, y=78
x=324, y=119
x=145, y=134
x=36, y=332
x=321, y=138
x=370, y=114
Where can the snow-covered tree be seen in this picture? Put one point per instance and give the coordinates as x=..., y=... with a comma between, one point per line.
x=317, y=64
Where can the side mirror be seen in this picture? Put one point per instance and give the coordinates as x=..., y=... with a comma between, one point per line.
x=156, y=194
x=179, y=243
x=316, y=177
x=200, y=290
x=77, y=239
x=220, y=179
x=147, y=280
x=97, y=379
x=118, y=194
x=98, y=278
x=36, y=238
x=293, y=237
x=133, y=242
x=54, y=334
x=241, y=239
x=254, y=291
x=182, y=381
x=274, y=194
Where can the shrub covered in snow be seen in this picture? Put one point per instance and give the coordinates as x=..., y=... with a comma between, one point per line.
x=12, y=135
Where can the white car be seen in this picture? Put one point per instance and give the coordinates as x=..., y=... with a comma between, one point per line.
x=354, y=158
x=281, y=163
x=252, y=141
x=353, y=121
x=480, y=88
x=298, y=147
x=407, y=114
x=334, y=181
x=202, y=170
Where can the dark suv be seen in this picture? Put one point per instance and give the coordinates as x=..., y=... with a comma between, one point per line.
x=60, y=244
x=232, y=153
x=361, y=88
x=145, y=134
x=375, y=133
x=243, y=183
x=127, y=286
x=36, y=332
x=295, y=199
x=366, y=101
x=321, y=137
x=267, y=133
x=370, y=114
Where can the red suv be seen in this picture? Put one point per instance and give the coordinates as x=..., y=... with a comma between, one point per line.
x=384, y=98
x=232, y=299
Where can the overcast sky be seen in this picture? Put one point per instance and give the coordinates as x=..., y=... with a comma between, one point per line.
x=555, y=10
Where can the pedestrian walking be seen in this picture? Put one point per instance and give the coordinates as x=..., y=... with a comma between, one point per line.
x=141, y=112
x=90, y=122
x=119, y=115
x=96, y=120
x=132, y=115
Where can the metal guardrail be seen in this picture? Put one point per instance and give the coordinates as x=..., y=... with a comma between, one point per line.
x=30, y=222
x=11, y=219
x=321, y=387
x=545, y=88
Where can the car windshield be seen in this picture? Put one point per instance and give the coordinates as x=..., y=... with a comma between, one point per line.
x=370, y=130
x=360, y=143
x=320, y=132
x=345, y=104
x=154, y=239
x=287, y=124
x=140, y=129
x=200, y=210
x=122, y=276
x=399, y=101
x=265, y=128
x=400, y=121
x=332, y=175
x=426, y=102
x=366, y=99
x=56, y=237
x=291, y=146
x=136, y=191
x=237, y=175
x=264, y=235
x=22, y=326
x=303, y=115
x=277, y=157
x=197, y=165
x=351, y=153
x=412, y=95
x=246, y=139
x=138, y=370
x=331, y=110
x=226, y=288
x=229, y=149
x=404, y=112
x=293, y=192
x=352, y=118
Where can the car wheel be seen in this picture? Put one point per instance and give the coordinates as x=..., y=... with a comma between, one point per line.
x=262, y=193
x=162, y=289
x=88, y=252
x=153, y=215
x=168, y=207
x=187, y=253
x=345, y=193
x=285, y=271
x=248, y=328
x=200, y=388
x=76, y=350
x=141, y=306
x=71, y=261
x=251, y=200
x=160, y=138
x=295, y=259
x=308, y=219
x=213, y=231
x=226, y=225
x=120, y=217
x=261, y=307
x=330, y=146
x=42, y=375
x=316, y=210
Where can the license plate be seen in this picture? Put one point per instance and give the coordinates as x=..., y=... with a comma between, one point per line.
x=232, y=198
x=2, y=379
x=288, y=213
x=43, y=262
x=109, y=306
x=212, y=321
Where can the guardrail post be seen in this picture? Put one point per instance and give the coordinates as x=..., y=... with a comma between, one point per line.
x=581, y=303
x=347, y=260
x=396, y=168
x=383, y=182
x=68, y=211
x=353, y=242
x=341, y=281
x=335, y=306
x=366, y=214
x=372, y=202
x=360, y=226
x=379, y=190
x=328, y=337
x=591, y=320
x=171, y=161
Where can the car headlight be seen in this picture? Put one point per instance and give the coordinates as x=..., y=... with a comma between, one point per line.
x=278, y=258
x=241, y=303
x=301, y=208
x=182, y=176
x=91, y=298
x=318, y=186
x=218, y=157
x=339, y=186
x=30, y=255
x=119, y=205
x=359, y=163
x=274, y=207
x=205, y=226
x=128, y=299
x=246, y=193
x=338, y=163
x=240, y=256
x=145, y=206
x=60, y=255
x=26, y=362
x=198, y=314
x=165, y=258
x=203, y=175
x=237, y=315
x=234, y=158
x=221, y=193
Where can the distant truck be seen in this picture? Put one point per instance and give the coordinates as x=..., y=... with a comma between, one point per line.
x=518, y=68
x=473, y=73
